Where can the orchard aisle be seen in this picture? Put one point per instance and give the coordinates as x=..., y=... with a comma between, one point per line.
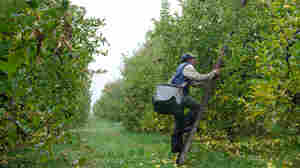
x=106, y=144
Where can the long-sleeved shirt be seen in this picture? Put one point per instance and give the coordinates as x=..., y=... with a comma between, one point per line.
x=191, y=73
x=196, y=78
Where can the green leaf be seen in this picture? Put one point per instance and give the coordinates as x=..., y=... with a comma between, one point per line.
x=30, y=53
x=44, y=158
x=4, y=28
x=82, y=161
x=296, y=50
x=28, y=20
x=17, y=59
x=4, y=66
x=20, y=92
x=277, y=129
x=4, y=47
x=2, y=112
x=36, y=121
x=33, y=3
x=65, y=4
x=12, y=135
x=55, y=12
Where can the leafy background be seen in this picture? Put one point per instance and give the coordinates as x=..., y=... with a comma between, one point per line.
x=45, y=49
x=46, y=46
x=257, y=96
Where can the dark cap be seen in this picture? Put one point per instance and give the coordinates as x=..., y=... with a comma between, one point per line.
x=185, y=57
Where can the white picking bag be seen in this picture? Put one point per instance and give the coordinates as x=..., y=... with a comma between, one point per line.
x=166, y=98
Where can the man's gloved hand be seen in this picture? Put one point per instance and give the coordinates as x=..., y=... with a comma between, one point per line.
x=217, y=73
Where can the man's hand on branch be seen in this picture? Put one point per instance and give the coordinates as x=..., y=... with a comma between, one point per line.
x=217, y=71
x=222, y=51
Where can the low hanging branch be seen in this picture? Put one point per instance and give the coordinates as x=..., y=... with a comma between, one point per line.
x=210, y=86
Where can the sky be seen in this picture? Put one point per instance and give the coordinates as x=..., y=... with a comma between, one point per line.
x=127, y=23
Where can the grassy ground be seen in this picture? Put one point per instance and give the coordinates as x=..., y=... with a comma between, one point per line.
x=104, y=144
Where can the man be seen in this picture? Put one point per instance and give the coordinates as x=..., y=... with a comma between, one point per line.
x=186, y=76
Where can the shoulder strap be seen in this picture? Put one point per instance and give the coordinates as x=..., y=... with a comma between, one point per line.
x=180, y=67
x=186, y=64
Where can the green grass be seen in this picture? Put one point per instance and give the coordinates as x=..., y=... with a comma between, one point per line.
x=104, y=144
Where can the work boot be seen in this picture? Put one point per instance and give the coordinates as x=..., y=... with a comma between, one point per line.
x=189, y=129
x=176, y=143
x=190, y=119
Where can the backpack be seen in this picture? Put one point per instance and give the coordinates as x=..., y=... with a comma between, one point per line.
x=167, y=98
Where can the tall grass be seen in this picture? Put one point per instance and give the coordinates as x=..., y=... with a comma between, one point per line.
x=106, y=144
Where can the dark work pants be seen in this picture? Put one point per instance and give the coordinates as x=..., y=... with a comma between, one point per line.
x=182, y=121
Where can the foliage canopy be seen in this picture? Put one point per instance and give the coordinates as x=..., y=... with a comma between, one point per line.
x=45, y=49
x=258, y=92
